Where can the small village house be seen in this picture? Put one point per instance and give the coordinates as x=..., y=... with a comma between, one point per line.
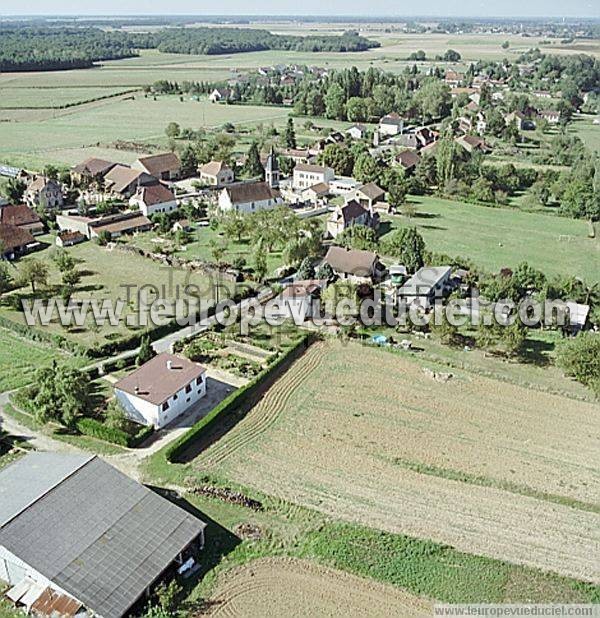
x=161, y=390
x=391, y=124
x=316, y=194
x=407, y=160
x=249, y=197
x=164, y=166
x=343, y=185
x=80, y=538
x=550, y=116
x=297, y=300
x=355, y=265
x=351, y=213
x=216, y=174
x=357, y=131
x=471, y=143
x=91, y=170
x=220, y=95
x=369, y=195
x=68, y=239
x=44, y=192
x=307, y=175
x=153, y=199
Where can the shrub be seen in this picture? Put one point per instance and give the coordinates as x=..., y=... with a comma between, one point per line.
x=580, y=358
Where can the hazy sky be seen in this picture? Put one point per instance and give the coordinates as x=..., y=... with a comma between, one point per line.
x=503, y=8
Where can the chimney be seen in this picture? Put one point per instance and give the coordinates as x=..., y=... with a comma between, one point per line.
x=136, y=390
x=169, y=364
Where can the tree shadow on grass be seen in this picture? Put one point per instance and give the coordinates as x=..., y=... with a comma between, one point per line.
x=536, y=353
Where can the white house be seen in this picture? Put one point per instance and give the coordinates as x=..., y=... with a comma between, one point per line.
x=153, y=199
x=296, y=301
x=391, y=124
x=216, y=173
x=357, y=131
x=219, y=94
x=343, y=185
x=161, y=390
x=307, y=175
x=249, y=197
x=425, y=286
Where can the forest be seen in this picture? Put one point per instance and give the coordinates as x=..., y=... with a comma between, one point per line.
x=33, y=48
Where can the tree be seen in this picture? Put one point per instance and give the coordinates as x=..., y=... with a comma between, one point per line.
x=253, y=167
x=334, y=102
x=444, y=330
x=359, y=237
x=579, y=358
x=408, y=210
x=6, y=279
x=505, y=45
x=218, y=248
x=234, y=225
x=259, y=262
x=62, y=394
x=15, y=189
x=451, y=56
x=168, y=595
x=33, y=272
x=357, y=109
x=63, y=260
x=366, y=169
x=407, y=245
x=173, y=130
x=114, y=415
x=145, y=353
x=306, y=270
x=189, y=160
x=325, y=272
x=290, y=134
x=397, y=195
x=338, y=157
x=337, y=292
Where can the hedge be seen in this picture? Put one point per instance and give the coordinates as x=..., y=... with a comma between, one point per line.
x=234, y=400
x=96, y=429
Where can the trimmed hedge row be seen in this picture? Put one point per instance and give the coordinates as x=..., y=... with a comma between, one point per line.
x=96, y=429
x=233, y=401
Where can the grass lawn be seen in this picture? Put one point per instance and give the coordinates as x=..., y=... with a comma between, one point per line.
x=589, y=132
x=502, y=237
x=51, y=97
x=200, y=248
x=20, y=358
x=105, y=273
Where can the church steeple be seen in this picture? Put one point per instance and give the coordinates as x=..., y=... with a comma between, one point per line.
x=272, y=170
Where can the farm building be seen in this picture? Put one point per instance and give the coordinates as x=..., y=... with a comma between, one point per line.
x=153, y=199
x=216, y=174
x=355, y=265
x=68, y=239
x=78, y=537
x=249, y=197
x=14, y=241
x=370, y=194
x=21, y=216
x=91, y=169
x=316, y=194
x=161, y=390
x=123, y=181
x=113, y=225
x=164, y=166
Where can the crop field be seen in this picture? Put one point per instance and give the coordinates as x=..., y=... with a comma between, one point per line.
x=289, y=587
x=501, y=237
x=104, y=273
x=388, y=446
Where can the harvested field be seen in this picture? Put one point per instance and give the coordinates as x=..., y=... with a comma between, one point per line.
x=286, y=587
x=488, y=467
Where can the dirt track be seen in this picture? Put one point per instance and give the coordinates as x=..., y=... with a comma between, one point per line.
x=285, y=587
x=327, y=434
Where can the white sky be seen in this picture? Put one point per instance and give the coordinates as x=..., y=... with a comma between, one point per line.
x=446, y=8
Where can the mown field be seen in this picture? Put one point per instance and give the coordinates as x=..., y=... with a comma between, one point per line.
x=487, y=467
x=589, y=132
x=51, y=97
x=104, y=275
x=501, y=237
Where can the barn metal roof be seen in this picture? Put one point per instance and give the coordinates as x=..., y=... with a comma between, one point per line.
x=97, y=534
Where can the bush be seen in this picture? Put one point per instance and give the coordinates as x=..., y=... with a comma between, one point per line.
x=96, y=429
x=580, y=358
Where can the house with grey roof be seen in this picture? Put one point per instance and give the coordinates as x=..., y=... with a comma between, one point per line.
x=425, y=286
x=79, y=538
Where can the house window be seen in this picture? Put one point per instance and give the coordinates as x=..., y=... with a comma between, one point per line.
x=165, y=406
x=199, y=380
x=174, y=396
x=188, y=388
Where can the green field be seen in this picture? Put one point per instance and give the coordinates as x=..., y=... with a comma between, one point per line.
x=104, y=273
x=589, y=132
x=501, y=237
x=20, y=357
x=51, y=97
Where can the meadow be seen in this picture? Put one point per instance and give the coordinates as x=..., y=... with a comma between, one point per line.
x=387, y=446
x=589, y=132
x=51, y=97
x=104, y=273
x=495, y=238
x=20, y=358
